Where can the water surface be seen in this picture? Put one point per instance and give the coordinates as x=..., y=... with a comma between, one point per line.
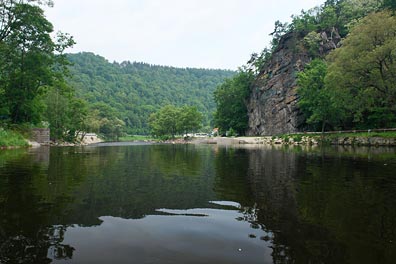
x=197, y=204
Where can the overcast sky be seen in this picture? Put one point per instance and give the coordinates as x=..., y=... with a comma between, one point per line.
x=182, y=33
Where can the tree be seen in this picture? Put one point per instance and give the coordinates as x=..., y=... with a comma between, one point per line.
x=363, y=71
x=230, y=98
x=316, y=101
x=29, y=64
x=105, y=118
x=171, y=120
x=164, y=122
x=189, y=119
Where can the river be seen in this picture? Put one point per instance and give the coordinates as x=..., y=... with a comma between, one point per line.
x=142, y=203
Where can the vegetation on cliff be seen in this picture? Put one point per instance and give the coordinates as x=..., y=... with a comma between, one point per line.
x=349, y=84
x=354, y=87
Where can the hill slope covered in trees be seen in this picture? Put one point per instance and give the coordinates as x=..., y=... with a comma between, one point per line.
x=135, y=90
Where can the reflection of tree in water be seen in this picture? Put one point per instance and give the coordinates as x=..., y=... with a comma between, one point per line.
x=35, y=248
x=356, y=201
x=26, y=233
x=272, y=175
x=42, y=194
x=231, y=166
x=324, y=208
x=145, y=178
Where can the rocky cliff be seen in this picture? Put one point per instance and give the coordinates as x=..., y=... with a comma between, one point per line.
x=272, y=106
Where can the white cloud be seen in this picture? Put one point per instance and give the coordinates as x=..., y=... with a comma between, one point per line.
x=193, y=33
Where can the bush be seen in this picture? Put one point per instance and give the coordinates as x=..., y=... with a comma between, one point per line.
x=10, y=138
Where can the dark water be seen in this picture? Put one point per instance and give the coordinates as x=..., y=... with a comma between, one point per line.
x=197, y=204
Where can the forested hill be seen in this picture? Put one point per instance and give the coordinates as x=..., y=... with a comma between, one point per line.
x=135, y=90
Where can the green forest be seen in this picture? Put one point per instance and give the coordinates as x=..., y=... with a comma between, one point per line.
x=134, y=90
x=42, y=86
x=352, y=87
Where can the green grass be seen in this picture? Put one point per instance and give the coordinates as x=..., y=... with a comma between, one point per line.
x=136, y=138
x=388, y=134
x=9, y=138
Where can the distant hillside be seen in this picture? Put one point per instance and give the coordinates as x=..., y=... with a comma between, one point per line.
x=135, y=90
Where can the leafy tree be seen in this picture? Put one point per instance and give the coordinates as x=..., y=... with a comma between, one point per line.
x=27, y=53
x=165, y=121
x=29, y=62
x=57, y=113
x=106, y=120
x=171, y=120
x=190, y=119
x=363, y=71
x=231, y=99
x=316, y=101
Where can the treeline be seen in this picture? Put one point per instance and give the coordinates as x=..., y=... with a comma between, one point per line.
x=135, y=90
x=352, y=87
x=41, y=86
x=32, y=71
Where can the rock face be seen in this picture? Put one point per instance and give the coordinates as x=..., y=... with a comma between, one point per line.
x=272, y=107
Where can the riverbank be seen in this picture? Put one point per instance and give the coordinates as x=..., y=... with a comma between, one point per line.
x=10, y=139
x=385, y=139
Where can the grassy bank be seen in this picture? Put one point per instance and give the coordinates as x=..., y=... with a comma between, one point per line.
x=388, y=134
x=9, y=138
x=350, y=138
x=136, y=138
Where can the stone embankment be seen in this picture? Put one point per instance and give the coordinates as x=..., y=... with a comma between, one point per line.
x=88, y=139
x=300, y=140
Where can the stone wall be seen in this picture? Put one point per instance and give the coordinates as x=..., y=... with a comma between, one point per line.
x=41, y=135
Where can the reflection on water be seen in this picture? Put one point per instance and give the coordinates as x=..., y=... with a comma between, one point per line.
x=179, y=236
x=197, y=204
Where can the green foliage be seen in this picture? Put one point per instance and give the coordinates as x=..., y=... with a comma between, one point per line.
x=171, y=120
x=32, y=70
x=27, y=54
x=135, y=90
x=136, y=138
x=11, y=138
x=231, y=133
x=231, y=99
x=297, y=138
x=362, y=72
x=66, y=115
x=312, y=41
x=104, y=120
x=307, y=21
x=390, y=4
x=316, y=102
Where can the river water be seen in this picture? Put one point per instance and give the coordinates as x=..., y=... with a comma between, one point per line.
x=124, y=203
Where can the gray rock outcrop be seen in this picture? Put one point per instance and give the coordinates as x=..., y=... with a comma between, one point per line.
x=272, y=106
